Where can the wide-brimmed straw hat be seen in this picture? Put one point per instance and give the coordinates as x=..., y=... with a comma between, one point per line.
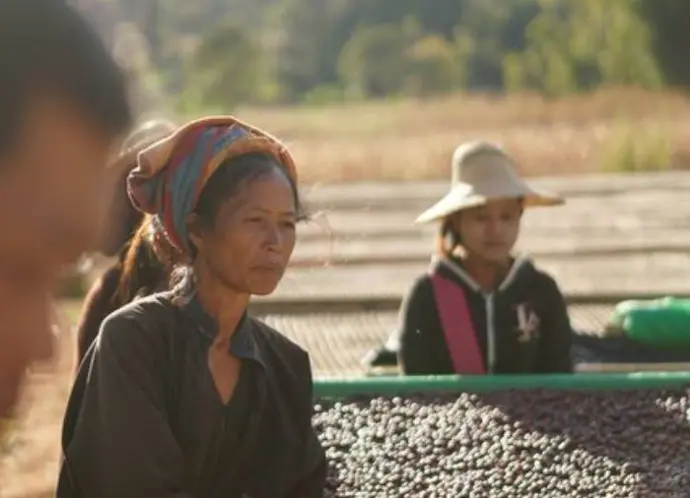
x=482, y=172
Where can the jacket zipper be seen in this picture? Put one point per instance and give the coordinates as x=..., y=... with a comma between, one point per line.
x=488, y=302
x=490, y=333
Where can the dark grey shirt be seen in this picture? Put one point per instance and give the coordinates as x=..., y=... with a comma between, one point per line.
x=145, y=420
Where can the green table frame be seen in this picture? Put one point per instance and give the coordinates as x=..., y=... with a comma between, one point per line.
x=399, y=385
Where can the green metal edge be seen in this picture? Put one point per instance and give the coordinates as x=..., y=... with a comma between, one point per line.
x=400, y=385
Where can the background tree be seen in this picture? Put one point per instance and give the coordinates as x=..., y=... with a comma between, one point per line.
x=579, y=44
x=375, y=61
x=669, y=24
x=312, y=50
x=434, y=66
x=223, y=70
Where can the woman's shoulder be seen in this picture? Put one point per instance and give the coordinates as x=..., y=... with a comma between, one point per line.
x=542, y=285
x=422, y=282
x=104, y=287
x=278, y=342
x=143, y=319
x=144, y=309
x=109, y=278
x=421, y=288
x=542, y=277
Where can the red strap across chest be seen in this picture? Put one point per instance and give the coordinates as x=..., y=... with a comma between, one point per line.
x=458, y=329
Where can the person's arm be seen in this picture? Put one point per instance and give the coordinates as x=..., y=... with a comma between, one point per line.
x=556, y=339
x=98, y=304
x=420, y=331
x=122, y=444
x=313, y=481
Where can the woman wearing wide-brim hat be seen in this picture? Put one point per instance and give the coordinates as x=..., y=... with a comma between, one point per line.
x=480, y=309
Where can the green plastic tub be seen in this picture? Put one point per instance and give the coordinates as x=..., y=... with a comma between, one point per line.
x=399, y=385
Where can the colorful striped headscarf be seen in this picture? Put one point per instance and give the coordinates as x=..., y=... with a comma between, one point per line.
x=172, y=172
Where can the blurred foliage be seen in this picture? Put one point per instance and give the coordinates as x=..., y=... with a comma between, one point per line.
x=579, y=44
x=221, y=53
x=374, y=62
x=223, y=70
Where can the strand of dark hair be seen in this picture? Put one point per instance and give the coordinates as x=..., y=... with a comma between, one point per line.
x=141, y=272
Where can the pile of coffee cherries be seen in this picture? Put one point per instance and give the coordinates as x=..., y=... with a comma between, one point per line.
x=528, y=443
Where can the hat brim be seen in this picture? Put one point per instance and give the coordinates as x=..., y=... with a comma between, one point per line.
x=461, y=197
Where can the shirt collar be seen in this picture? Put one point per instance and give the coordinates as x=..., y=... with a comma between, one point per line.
x=520, y=262
x=243, y=344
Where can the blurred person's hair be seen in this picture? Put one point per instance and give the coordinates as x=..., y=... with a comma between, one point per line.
x=47, y=48
x=142, y=273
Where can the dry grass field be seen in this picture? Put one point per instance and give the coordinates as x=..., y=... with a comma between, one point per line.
x=613, y=129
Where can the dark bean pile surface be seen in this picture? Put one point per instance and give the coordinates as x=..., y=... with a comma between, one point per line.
x=509, y=444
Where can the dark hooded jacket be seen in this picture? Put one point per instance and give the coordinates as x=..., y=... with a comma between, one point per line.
x=503, y=346
x=144, y=418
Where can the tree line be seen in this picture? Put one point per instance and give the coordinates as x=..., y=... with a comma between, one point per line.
x=225, y=52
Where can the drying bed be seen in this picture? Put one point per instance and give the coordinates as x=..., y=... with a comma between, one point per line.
x=337, y=342
x=579, y=435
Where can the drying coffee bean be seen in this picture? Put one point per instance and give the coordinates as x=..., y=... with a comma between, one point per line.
x=509, y=444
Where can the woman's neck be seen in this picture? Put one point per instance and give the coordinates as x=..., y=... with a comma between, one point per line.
x=223, y=304
x=488, y=274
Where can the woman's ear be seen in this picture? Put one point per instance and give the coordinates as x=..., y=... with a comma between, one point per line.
x=195, y=231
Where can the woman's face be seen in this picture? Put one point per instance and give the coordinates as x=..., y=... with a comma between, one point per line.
x=490, y=232
x=251, y=241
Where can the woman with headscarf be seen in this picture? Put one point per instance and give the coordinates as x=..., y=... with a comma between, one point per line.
x=480, y=309
x=184, y=395
x=136, y=270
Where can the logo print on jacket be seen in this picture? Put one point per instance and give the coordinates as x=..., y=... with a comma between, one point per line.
x=528, y=323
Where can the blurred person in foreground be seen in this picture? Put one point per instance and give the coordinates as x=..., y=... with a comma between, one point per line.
x=63, y=104
x=126, y=231
x=182, y=393
x=480, y=309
